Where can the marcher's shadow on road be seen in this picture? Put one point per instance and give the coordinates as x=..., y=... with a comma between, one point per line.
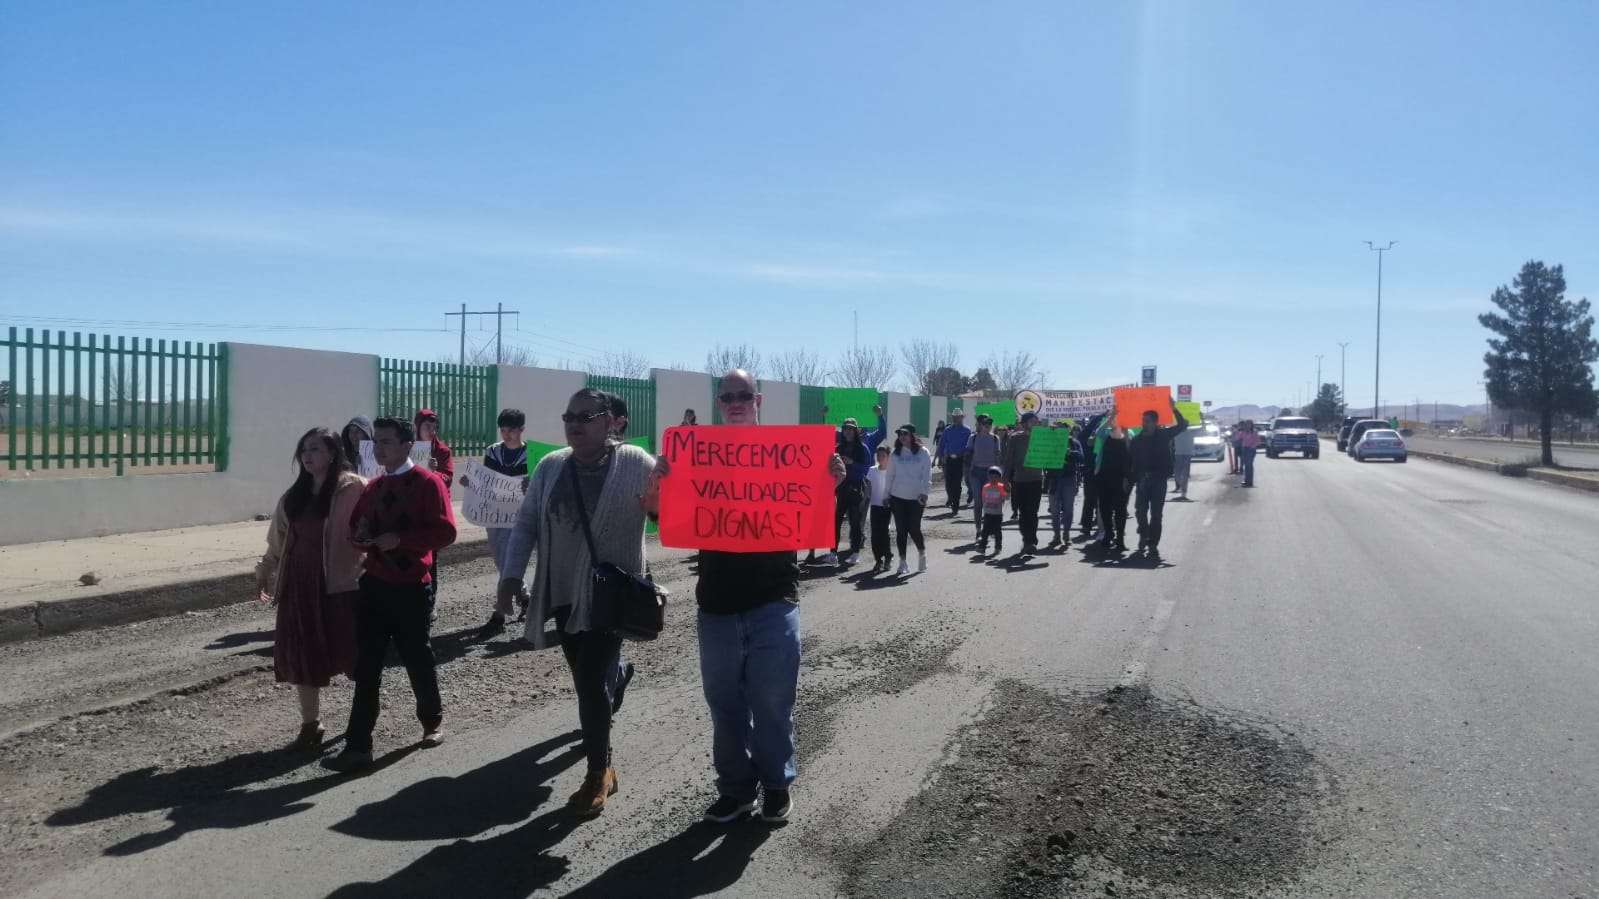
x=1018, y=563
x=205, y=797
x=496, y=794
x=1102, y=559
x=234, y=641
x=513, y=863
x=693, y=863
x=868, y=580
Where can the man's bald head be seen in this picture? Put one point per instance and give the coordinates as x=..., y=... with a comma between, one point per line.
x=738, y=398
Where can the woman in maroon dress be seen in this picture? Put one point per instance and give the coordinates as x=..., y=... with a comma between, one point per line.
x=311, y=571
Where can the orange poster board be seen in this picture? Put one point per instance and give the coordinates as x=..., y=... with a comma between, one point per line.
x=747, y=488
x=1133, y=402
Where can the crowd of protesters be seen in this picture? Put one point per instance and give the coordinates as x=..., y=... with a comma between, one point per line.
x=352, y=561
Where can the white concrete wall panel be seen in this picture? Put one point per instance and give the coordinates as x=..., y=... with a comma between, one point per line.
x=541, y=393
x=676, y=391
x=899, y=409
x=780, y=403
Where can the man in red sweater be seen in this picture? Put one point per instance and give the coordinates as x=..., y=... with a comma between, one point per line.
x=402, y=519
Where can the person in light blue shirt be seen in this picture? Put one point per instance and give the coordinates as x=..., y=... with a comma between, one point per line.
x=951, y=450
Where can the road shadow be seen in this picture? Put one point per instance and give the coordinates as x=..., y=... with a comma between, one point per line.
x=704, y=859
x=440, y=808
x=243, y=638
x=512, y=864
x=1018, y=563
x=205, y=797
x=869, y=580
x=1112, y=559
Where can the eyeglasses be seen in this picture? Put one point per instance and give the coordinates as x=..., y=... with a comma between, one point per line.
x=742, y=396
x=582, y=417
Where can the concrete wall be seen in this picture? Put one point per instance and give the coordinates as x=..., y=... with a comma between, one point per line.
x=676, y=391
x=275, y=394
x=542, y=394
x=780, y=403
x=899, y=410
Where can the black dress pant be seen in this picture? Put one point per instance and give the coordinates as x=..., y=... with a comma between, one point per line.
x=848, y=506
x=954, y=476
x=397, y=613
x=1113, y=508
x=1090, y=501
x=908, y=522
x=1025, y=499
x=1150, y=506
x=882, y=547
x=592, y=657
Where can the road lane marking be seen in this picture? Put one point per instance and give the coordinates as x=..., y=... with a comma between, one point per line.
x=1139, y=666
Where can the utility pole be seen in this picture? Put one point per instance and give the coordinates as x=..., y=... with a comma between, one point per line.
x=1343, y=398
x=499, y=313
x=1376, y=385
x=1317, y=394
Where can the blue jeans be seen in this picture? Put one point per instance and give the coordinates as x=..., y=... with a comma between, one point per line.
x=1248, y=457
x=749, y=665
x=1062, y=500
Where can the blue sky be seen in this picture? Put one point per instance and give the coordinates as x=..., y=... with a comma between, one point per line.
x=1104, y=185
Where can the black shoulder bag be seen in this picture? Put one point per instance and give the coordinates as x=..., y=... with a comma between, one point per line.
x=633, y=607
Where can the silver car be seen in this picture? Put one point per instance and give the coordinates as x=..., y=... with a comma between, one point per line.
x=1209, y=444
x=1381, y=443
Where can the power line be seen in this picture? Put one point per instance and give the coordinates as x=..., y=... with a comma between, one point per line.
x=139, y=324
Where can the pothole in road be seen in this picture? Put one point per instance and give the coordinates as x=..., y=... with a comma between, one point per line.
x=1120, y=793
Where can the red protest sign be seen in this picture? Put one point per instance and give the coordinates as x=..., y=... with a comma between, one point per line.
x=747, y=488
x=1133, y=402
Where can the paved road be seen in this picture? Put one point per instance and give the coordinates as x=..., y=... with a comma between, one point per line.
x=1350, y=681
x=1503, y=451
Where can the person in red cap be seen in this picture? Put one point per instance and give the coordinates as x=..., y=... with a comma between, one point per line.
x=442, y=463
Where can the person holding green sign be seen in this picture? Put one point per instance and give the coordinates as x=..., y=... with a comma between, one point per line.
x=1026, y=484
x=1062, y=485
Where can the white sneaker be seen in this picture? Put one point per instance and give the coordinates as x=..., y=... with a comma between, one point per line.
x=851, y=559
x=829, y=559
x=904, y=568
x=921, y=562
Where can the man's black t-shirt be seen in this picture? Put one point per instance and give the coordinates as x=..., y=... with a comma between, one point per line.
x=731, y=583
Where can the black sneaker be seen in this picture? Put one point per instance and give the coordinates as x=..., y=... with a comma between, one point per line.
x=348, y=762
x=621, y=688
x=776, y=806
x=726, y=810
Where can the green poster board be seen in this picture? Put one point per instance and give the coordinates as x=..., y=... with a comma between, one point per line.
x=537, y=451
x=1004, y=414
x=1047, y=448
x=1191, y=413
x=851, y=402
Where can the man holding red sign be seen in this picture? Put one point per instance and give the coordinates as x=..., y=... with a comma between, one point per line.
x=747, y=498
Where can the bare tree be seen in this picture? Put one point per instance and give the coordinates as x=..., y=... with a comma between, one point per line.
x=865, y=367
x=624, y=364
x=797, y=367
x=1015, y=371
x=923, y=357
x=510, y=354
x=724, y=359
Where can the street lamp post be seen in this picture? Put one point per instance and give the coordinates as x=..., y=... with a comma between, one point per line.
x=1343, y=398
x=1376, y=387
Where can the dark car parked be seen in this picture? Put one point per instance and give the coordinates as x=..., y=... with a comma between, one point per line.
x=1359, y=429
x=1343, y=432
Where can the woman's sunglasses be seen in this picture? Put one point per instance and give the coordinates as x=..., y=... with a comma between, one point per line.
x=582, y=417
x=742, y=396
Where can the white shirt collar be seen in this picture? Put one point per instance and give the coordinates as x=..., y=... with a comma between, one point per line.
x=402, y=469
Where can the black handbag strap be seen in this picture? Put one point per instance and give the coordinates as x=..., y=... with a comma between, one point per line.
x=582, y=511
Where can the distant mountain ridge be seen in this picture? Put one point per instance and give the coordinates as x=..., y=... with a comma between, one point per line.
x=1426, y=412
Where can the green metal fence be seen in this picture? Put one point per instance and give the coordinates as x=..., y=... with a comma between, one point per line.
x=639, y=393
x=920, y=413
x=96, y=402
x=466, y=397
x=813, y=405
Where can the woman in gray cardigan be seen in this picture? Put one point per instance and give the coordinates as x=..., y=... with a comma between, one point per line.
x=610, y=479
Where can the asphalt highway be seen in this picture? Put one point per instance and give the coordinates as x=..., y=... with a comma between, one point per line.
x=1408, y=651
